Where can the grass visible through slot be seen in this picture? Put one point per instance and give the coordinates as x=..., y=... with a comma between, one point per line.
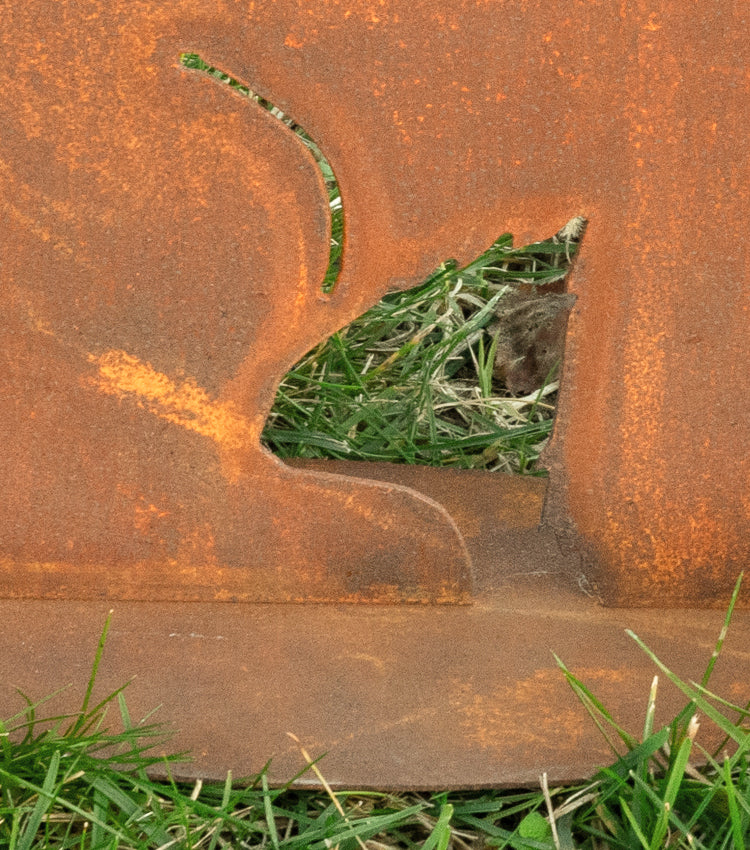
x=194, y=62
x=411, y=381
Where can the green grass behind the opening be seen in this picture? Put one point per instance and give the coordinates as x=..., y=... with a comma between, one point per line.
x=411, y=381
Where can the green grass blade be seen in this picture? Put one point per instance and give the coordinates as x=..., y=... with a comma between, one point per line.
x=723, y=632
x=9, y=780
x=680, y=723
x=596, y=710
x=674, y=781
x=131, y=807
x=735, y=818
x=678, y=824
x=440, y=836
x=83, y=712
x=6, y=750
x=642, y=763
x=225, y=808
x=634, y=825
x=44, y=801
x=640, y=755
x=270, y=816
x=694, y=693
x=15, y=830
x=363, y=828
x=648, y=725
x=127, y=722
x=100, y=809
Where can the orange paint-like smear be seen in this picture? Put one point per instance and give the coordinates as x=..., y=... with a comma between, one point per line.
x=185, y=403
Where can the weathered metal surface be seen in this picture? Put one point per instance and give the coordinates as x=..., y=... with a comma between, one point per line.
x=395, y=696
x=497, y=515
x=651, y=456
x=163, y=246
x=163, y=243
x=425, y=697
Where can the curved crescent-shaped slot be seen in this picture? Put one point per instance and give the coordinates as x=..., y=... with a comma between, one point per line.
x=335, y=206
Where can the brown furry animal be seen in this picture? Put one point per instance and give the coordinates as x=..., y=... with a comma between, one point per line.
x=530, y=332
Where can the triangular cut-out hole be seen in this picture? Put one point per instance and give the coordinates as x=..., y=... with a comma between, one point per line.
x=462, y=370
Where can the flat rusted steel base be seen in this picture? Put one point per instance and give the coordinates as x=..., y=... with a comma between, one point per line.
x=396, y=696
x=301, y=536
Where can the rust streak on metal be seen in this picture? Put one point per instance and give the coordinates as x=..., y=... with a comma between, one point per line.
x=185, y=404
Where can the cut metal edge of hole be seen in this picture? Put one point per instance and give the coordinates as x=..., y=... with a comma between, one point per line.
x=194, y=62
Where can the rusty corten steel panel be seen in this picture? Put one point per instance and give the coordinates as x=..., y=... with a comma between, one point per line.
x=163, y=242
x=390, y=696
x=163, y=246
x=651, y=458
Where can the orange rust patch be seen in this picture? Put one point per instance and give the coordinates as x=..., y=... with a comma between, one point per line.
x=491, y=720
x=184, y=403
